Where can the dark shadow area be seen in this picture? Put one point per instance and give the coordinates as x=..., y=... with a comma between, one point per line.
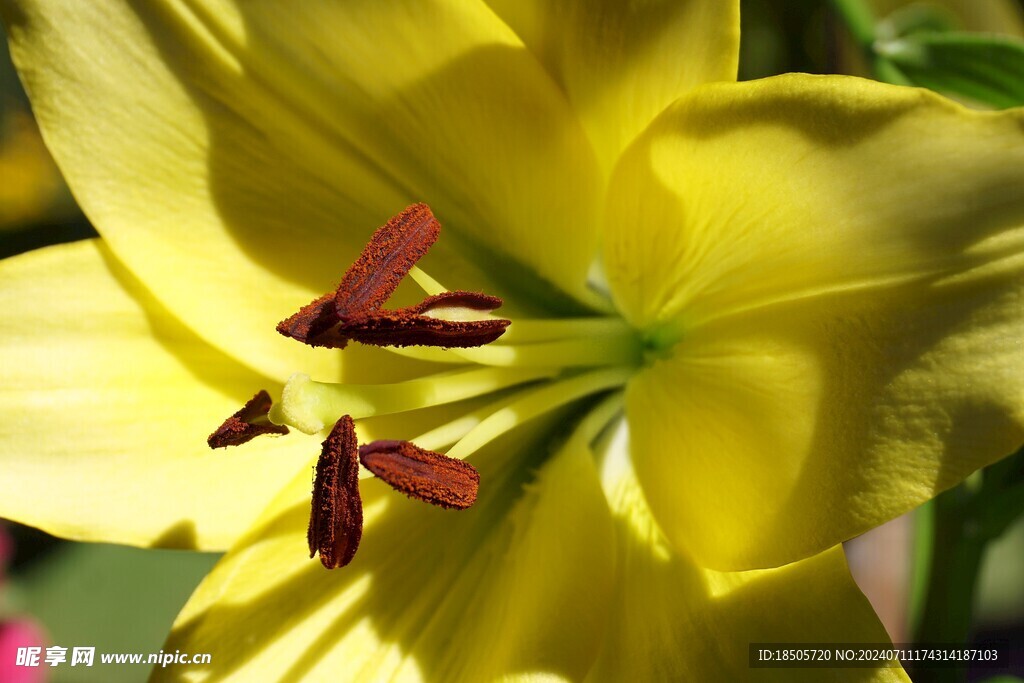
x=32, y=547
x=1011, y=641
x=180, y=536
x=26, y=239
x=780, y=37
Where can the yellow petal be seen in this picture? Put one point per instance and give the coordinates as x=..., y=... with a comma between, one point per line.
x=746, y=194
x=237, y=157
x=674, y=621
x=620, y=63
x=509, y=588
x=791, y=429
x=846, y=287
x=107, y=401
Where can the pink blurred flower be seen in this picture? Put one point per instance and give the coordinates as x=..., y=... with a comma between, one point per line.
x=16, y=633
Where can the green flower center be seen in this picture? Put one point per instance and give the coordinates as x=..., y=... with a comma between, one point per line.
x=660, y=341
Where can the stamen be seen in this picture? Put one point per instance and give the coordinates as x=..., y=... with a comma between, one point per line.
x=353, y=311
x=532, y=331
x=246, y=424
x=313, y=322
x=336, y=517
x=449, y=433
x=422, y=474
x=563, y=343
x=456, y=320
x=429, y=285
x=393, y=249
x=445, y=320
x=532, y=403
x=565, y=353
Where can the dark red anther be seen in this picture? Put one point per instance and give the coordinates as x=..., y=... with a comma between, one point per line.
x=246, y=424
x=336, y=517
x=353, y=311
x=391, y=328
x=413, y=326
x=476, y=301
x=313, y=321
x=422, y=474
x=392, y=252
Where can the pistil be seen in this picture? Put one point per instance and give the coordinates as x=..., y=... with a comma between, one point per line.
x=309, y=406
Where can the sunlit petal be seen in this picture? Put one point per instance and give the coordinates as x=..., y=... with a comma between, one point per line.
x=107, y=401
x=674, y=621
x=843, y=350
x=746, y=194
x=432, y=594
x=621, y=63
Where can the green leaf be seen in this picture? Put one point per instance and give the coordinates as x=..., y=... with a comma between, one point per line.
x=986, y=69
x=916, y=18
x=114, y=598
x=887, y=72
x=1000, y=501
x=858, y=19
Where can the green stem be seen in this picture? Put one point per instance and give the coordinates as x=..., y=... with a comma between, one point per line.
x=924, y=542
x=958, y=526
x=957, y=551
x=859, y=20
x=887, y=72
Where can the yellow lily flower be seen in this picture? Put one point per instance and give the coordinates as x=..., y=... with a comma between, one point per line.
x=778, y=313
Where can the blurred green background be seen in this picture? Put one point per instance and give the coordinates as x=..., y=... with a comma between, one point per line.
x=122, y=599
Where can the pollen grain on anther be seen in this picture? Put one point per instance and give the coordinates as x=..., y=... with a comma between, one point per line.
x=247, y=423
x=401, y=328
x=353, y=312
x=313, y=323
x=391, y=253
x=369, y=282
x=336, y=514
x=425, y=475
x=474, y=301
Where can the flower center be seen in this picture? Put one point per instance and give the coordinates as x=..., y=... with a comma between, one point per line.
x=527, y=367
x=659, y=342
